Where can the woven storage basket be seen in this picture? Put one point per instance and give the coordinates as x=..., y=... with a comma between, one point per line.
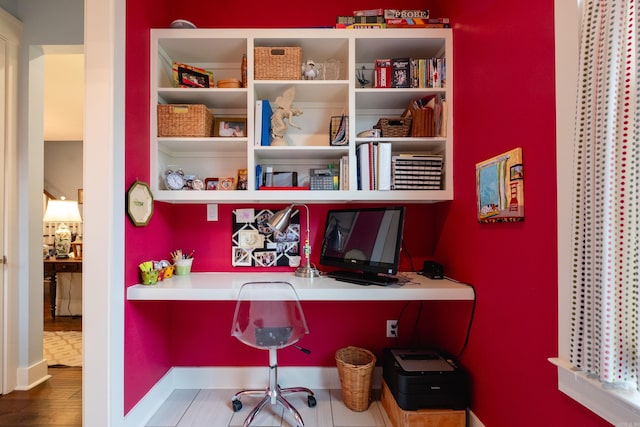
x=398, y=127
x=355, y=368
x=277, y=63
x=184, y=120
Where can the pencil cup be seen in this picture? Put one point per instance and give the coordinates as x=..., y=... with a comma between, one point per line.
x=149, y=277
x=183, y=266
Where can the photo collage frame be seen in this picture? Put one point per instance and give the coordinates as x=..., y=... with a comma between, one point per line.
x=255, y=244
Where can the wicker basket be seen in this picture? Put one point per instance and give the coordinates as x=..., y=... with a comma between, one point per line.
x=394, y=127
x=277, y=63
x=193, y=120
x=355, y=368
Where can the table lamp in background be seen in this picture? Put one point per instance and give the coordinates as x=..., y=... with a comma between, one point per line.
x=62, y=212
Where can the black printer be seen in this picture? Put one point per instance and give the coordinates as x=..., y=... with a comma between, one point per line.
x=424, y=379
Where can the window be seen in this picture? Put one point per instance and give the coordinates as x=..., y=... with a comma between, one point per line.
x=620, y=407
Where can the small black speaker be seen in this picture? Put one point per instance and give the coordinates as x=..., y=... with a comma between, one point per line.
x=432, y=270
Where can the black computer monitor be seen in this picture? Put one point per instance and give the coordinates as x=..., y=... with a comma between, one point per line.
x=363, y=243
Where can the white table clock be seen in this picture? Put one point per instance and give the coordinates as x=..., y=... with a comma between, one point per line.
x=174, y=180
x=139, y=203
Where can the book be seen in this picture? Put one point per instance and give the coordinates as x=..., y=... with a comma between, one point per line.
x=363, y=19
x=384, y=166
x=362, y=154
x=257, y=125
x=361, y=26
x=373, y=166
x=414, y=23
x=401, y=73
x=382, y=73
x=406, y=13
x=265, y=139
x=368, y=12
x=344, y=173
x=416, y=187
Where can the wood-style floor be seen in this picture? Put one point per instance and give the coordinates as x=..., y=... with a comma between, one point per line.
x=54, y=403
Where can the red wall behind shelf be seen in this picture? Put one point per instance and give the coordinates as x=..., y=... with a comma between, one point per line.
x=504, y=98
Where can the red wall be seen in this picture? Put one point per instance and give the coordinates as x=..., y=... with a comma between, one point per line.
x=504, y=98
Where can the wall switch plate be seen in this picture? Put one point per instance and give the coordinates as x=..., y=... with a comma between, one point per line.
x=212, y=212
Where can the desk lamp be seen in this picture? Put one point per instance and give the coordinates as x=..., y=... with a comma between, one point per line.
x=279, y=222
x=62, y=212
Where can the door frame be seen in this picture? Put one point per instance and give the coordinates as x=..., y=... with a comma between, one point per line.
x=9, y=279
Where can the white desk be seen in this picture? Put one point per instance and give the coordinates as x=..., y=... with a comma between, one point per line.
x=225, y=286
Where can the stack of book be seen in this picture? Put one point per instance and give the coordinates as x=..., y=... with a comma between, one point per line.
x=417, y=172
x=374, y=166
x=410, y=72
x=390, y=18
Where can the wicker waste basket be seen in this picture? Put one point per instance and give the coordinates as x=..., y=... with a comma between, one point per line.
x=355, y=368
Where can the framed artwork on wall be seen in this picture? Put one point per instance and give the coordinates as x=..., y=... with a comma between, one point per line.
x=500, y=188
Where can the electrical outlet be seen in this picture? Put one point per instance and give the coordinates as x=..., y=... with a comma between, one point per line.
x=392, y=328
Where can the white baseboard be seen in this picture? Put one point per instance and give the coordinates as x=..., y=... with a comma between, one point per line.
x=239, y=378
x=33, y=375
x=232, y=378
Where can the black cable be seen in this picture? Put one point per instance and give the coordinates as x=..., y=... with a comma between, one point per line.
x=473, y=310
x=404, y=247
x=406, y=304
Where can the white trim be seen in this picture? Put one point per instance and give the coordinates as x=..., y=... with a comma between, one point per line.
x=225, y=377
x=238, y=378
x=103, y=168
x=11, y=32
x=619, y=407
x=33, y=375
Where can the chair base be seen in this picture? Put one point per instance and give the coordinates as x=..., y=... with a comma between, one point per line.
x=273, y=396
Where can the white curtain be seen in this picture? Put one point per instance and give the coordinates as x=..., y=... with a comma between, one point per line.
x=605, y=326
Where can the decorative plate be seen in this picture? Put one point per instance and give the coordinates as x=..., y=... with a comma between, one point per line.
x=139, y=203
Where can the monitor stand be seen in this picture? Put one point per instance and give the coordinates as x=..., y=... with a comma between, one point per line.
x=362, y=278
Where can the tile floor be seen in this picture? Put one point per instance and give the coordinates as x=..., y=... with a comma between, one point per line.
x=212, y=408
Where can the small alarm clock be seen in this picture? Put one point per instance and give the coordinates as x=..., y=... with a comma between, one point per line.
x=174, y=180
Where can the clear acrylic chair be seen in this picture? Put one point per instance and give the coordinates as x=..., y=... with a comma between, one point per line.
x=269, y=317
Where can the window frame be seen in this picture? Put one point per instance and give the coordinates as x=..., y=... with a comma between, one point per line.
x=619, y=407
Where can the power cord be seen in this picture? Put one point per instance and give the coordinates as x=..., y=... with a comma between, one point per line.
x=404, y=247
x=471, y=316
x=419, y=314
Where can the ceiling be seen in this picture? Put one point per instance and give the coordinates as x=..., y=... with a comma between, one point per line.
x=63, y=97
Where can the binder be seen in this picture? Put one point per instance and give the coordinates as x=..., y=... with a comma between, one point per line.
x=266, y=122
x=363, y=167
x=384, y=166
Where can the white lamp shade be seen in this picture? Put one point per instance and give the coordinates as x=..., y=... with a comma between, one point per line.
x=62, y=211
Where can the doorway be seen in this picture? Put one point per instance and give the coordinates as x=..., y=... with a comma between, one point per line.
x=63, y=128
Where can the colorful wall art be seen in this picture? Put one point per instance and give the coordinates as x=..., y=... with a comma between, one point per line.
x=500, y=188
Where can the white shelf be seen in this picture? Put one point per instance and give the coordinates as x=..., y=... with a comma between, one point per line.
x=221, y=51
x=225, y=286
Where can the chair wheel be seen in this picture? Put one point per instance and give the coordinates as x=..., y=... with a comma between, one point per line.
x=237, y=405
x=311, y=401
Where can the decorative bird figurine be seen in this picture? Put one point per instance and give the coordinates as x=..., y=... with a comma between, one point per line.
x=309, y=71
x=361, y=78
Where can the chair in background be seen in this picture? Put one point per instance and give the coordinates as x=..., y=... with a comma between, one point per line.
x=269, y=316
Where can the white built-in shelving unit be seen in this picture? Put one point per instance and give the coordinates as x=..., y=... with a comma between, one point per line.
x=221, y=51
